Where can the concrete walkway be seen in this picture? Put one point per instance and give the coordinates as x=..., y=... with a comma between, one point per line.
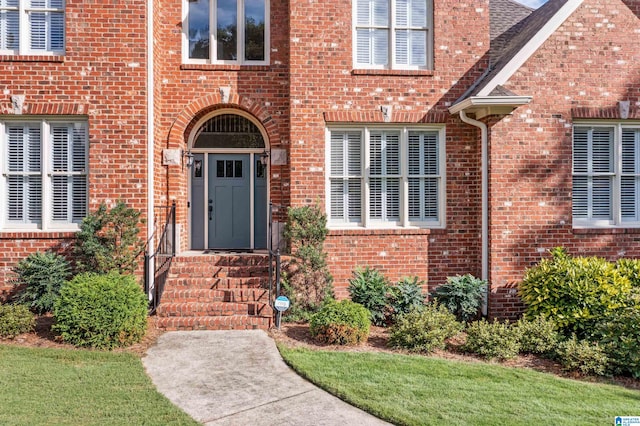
x=239, y=378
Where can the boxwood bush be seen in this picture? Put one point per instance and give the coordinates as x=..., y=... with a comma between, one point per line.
x=41, y=276
x=424, y=330
x=576, y=292
x=492, y=340
x=101, y=311
x=340, y=323
x=582, y=355
x=538, y=336
x=15, y=319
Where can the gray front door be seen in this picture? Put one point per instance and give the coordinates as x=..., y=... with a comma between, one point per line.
x=229, y=201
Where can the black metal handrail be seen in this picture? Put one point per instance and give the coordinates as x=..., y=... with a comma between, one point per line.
x=161, y=258
x=274, y=255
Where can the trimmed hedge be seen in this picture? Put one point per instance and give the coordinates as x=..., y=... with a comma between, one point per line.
x=15, y=320
x=340, y=323
x=424, y=330
x=101, y=311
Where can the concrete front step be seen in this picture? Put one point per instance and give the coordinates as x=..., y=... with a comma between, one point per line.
x=235, y=322
x=235, y=295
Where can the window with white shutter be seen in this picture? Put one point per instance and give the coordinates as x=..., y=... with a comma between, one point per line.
x=393, y=34
x=32, y=27
x=606, y=175
x=226, y=32
x=44, y=179
x=402, y=183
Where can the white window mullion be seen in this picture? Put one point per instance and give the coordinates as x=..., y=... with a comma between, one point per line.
x=241, y=20
x=365, y=184
x=617, y=179
x=47, y=207
x=25, y=38
x=392, y=34
x=213, y=31
x=404, y=180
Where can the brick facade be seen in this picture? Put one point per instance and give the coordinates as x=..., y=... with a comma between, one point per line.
x=581, y=71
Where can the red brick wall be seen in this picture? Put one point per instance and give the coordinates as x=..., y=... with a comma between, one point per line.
x=101, y=78
x=323, y=82
x=590, y=63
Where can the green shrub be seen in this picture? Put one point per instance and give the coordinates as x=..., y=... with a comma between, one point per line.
x=573, y=291
x=406, y=296
x=15, y=320
x=424, y=330
x=306, y=281
x=462, y=295
x=583, y=356
x=340, y=323
x=369, y=288
x=101, y=311
x=492, y=340
x=42, y=275
x=619, y=335
x=537, y=336
x=630, y=268
x=108, y=240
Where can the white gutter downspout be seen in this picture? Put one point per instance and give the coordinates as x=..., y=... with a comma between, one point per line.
x=485, y=202
x=150, y=147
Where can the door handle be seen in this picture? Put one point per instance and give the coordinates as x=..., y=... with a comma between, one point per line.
x=210, y=209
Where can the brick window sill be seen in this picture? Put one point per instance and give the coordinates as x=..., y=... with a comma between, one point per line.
x=399, y=73
x=37, y=235
x=219, y=67
x=379, y=232
x=32, y=58
x=605, y=231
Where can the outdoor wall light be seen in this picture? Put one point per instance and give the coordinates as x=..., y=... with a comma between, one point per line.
x=188, y=156
x=264, y=158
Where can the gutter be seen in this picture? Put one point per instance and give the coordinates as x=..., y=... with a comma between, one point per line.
x=150, y=146
x=485, y=203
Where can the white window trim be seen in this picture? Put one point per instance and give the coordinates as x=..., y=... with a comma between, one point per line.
x=391, y=27
x=47, y=223
x=212, y=36
x=25, y=33
x=616, y=221
x=404, y=222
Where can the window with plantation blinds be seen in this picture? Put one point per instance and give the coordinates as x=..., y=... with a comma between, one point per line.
x=385, y=177
x=32, y=27
x=606, y=176
x=44, y=174
x=393, y=34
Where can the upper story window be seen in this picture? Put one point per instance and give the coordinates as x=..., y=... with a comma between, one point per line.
x=386, y=177
x=606, y=175
x=32, y=27
x=393, y=34
x=44, y=167
x=227, y=32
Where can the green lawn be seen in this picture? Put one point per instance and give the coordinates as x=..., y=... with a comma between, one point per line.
x=416, y=390
x=79, y=387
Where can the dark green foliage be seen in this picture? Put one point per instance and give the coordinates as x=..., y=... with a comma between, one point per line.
x=42, y=275
x=406, y=296
x=462, y=295
x=101, y=311
x=424, y=330
x=108, y=240
x=340, y=323
x=15, y=319
x=619, y=335
x=307, y=281
x=537, y=336
x=492, y=340
x=573, y=291
x=369, y=288
x=583, y=356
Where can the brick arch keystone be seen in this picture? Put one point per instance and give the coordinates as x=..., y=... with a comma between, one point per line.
x=186, y=119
